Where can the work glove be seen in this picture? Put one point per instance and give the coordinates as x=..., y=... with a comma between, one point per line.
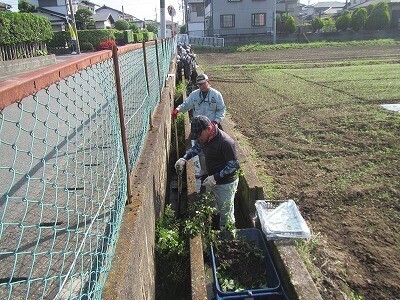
x=175, y=113
x=209, y=181
x=180, y=164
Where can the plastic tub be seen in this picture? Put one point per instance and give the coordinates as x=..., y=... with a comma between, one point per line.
x=274, y=289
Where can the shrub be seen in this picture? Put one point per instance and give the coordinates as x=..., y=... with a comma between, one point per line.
x=344, y=21
x=106, y=45
x=59, y=40
x=317, y=24
x=23, y=27
x=379, y=17
x=134, y=27
x=95, y=37
x=121, y=25
x=358, y=18
x=329, y=25
x=86, y=47
x=290, y=25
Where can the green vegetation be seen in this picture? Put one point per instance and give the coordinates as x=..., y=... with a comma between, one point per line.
x=121, y=25
x=267, y=47
x=23, y=27
x=83, y=18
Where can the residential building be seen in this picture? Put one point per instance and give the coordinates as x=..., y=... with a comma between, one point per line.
x=238, y=17
x=195, y=17
x=292, y=7
x=4, y=6
x=102, y=21
x=327, y=9
x=57, y=20
x=116, y=14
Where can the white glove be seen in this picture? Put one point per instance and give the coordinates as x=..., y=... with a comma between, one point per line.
x=180, y=164
x=209, y=181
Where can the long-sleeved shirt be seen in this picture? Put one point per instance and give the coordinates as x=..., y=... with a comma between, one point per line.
x=210, y=105
x=220, y=155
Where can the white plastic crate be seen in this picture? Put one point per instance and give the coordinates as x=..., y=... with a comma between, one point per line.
x=281, y=219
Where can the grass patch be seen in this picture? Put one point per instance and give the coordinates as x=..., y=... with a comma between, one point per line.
x=269, y=47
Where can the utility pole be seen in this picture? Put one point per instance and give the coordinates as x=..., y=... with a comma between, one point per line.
x=78, y=48
x=162, y=18
x=274, y=22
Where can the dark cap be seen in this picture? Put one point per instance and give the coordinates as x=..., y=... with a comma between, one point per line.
x=201, y=78
x=198, y=124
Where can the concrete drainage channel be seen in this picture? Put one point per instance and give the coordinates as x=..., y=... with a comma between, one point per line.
x=293, y=275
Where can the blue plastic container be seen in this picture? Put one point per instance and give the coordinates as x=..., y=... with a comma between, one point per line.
x=274, y=290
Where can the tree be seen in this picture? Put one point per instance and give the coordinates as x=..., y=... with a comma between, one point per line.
x=121, y=25
x=25, y=6
x=83, y=18
x=379, y=17
x=317, y=24
x=290, y=25
x=358, y=18
x=182, y=29
x=134, y=27
x=329, y=25
x=344, y=21
x=152, y=28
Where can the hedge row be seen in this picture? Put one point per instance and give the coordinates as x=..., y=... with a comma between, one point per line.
x=18, y=28
x=95, y=37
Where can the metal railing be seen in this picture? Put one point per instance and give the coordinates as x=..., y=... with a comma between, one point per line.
x=64, y=167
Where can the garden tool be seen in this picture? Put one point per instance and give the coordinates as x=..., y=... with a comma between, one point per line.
x=179, y=171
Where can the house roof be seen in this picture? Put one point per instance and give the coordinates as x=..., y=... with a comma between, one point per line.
x=50, y=12
x=329, y=4
x=101, y=17
x=333, y=10
x=116, y=10
x=368, y=2
x=5, y=5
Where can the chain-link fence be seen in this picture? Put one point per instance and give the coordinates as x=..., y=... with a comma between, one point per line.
x=63, y=171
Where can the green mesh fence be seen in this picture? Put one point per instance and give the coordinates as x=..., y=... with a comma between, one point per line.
x=63, y=176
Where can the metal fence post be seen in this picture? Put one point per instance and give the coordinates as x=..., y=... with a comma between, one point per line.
x=158, y=69
x=147, y=79
x=145, y=66
x=122, y=121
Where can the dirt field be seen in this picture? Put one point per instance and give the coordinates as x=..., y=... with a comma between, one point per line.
x=321, y=139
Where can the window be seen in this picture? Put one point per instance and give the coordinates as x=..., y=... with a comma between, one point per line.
x=258, y=19
x=227, y=21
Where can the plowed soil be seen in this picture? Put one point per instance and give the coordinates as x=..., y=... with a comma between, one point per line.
x=327, y=144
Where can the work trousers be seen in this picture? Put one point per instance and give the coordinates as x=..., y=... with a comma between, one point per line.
x=225, y=201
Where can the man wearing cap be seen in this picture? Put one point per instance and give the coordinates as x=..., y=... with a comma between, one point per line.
x=205, y=101
x=221, y=161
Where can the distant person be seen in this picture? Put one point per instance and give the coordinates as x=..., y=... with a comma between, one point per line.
x=73, y=39
x=205, y=101
x=222, y=165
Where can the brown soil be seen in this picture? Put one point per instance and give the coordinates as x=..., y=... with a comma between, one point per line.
x=355, y=221
x=241, y=261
